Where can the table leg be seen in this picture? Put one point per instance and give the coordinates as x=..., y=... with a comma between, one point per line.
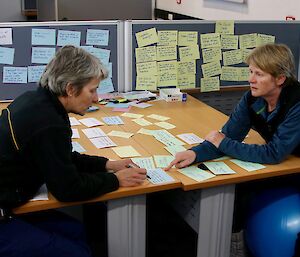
x=215, y=221
x=126, y=225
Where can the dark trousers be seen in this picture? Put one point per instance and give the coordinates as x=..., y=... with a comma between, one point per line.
x=43, y=234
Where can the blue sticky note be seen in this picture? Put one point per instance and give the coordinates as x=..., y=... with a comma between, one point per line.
x=67, y=37
x=7, y=55
x=42, y=55
x=109, y=67
x=106, y=86
x=102, y=54
x=97, y=37
x=43, y=37
x=35, y=73
x=119, y=105
x=16, y=75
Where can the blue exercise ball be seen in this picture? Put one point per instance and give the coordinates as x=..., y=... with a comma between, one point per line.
x=273, y=223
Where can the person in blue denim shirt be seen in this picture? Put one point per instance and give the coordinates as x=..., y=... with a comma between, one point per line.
x=271, y=107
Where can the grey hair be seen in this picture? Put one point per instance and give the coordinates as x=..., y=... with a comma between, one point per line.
x=71, y=65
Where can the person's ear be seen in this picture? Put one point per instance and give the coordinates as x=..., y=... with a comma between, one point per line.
x=280, y=80
x=70, y=91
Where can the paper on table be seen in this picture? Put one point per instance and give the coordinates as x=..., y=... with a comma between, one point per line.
x=249, y=166
x=102, y=142
x=195, y=173
x=165, y=125
x=219, y=168
x=132, y=115
x=94, y=132
x=162, y=161
x=91, y=122
x=113, y=120
x=142, y=122
x=145, y=162
x=190, y=138
x=76, y=147
x=125, y=151
x=158, y=117
x=75, y=133
x=148, y=132
x=42, y=194
x=122, y=134
x=174, y=149
x=159, y=176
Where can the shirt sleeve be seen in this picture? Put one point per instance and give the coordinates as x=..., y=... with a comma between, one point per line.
x=285, y=139
x=51, y=156
x=237, y=127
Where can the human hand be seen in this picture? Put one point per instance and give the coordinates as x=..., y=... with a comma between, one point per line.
x=215, y=137
x=119, y=165
x=182, y=159
x=130, y=177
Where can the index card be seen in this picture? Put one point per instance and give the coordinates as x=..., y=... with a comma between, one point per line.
x=97, y=37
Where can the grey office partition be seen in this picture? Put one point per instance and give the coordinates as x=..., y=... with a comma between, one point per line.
x=23, y=47
x=286, y=32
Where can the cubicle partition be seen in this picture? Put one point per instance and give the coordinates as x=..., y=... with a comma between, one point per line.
x=26, y=48
x=224, y=47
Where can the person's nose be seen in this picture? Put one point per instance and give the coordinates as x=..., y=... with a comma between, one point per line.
x=251, y=78
x=95, y=98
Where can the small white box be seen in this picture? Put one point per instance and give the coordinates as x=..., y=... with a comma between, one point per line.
x=170, y=94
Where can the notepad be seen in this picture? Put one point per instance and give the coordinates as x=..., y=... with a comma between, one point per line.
x=126, y=151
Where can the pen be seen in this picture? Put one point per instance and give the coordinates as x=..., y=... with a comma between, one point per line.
x=135, y=166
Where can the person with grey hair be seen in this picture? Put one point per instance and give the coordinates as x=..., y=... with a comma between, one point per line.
x=36, y=148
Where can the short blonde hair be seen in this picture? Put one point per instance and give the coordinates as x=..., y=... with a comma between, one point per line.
x=71, y=65
x=275, y=59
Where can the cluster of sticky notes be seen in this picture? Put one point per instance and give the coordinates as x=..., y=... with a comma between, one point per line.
x=44, y=42
x=157, y=57
x=223, y=46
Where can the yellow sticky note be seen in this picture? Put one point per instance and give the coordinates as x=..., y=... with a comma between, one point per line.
x=165, y=125
x=186, y=81
x=145, y=54
x=232, y=57
x=248, y=40
x=189, y=53
x=265, y=39
x=132, y=115
x=210, y=84
x=146, y=68
x=186, y=38
x=167, y=37
x=230, y=73
x=167, y=79
x=211, y=54
x=166, y=53
x=243, y=74
x=245, y=53
x=126, y=151
x=158, y=117
x=211, y=69
x=167, y=67
x=146, y=37
x=142, y=122
x=146, y=83
x=210, y=40
x=229, y=42
x=115, y=133
x=186, y=67
x=225, y=27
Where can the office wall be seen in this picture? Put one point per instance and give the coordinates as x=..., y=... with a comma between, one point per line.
x=10, y=10
x=104, y=10
x=217, y=9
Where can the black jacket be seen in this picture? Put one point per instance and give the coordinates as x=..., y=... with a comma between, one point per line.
x=43, y=134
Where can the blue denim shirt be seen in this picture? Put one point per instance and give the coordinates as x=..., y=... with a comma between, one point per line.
x=283, y=142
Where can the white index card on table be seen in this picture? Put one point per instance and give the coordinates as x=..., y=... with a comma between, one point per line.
x=190, y=138
x=102, y=142
x=76, y=147
x=74, y=121
x=163, y=161
x=174, y=149
x=158, y=117
x=219, y=168
x=159, y=176
x=145, y=163
x=113, y=120
x=94, y=132
x=75, y=133
x=91, y=122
